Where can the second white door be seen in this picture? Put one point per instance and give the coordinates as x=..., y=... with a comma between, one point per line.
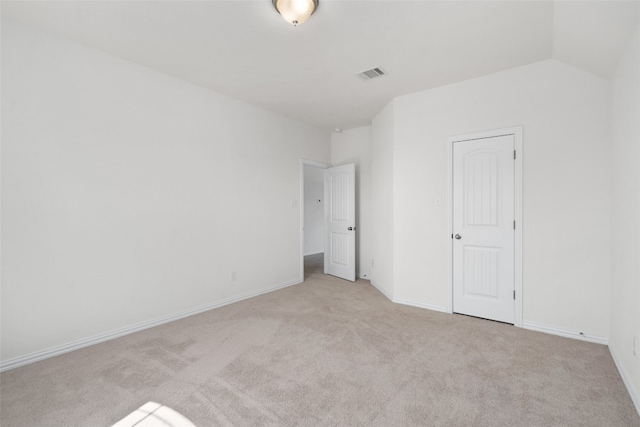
x=340, y=215
x=484, y=228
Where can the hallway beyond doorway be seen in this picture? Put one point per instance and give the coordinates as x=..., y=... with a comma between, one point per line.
x=313, y=265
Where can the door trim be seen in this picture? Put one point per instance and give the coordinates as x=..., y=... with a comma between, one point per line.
x=303, y=163
x=516, y=131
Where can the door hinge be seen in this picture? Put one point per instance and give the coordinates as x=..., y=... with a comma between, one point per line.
x=452, y=235
x=514, y=294
x=514, y=154
x=514, y=224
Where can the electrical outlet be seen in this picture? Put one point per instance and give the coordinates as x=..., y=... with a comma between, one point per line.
x=233, y=276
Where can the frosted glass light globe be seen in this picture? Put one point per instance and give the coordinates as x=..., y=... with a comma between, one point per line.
x=295, y=11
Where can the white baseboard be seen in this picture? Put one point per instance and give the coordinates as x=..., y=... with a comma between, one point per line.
x=313, y=253
x=37, y=356
x=409, y=302
x=564, y=333
x=626, y=379
x=420, y=305
x=382, y=291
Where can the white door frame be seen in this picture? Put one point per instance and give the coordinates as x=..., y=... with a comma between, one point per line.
x=516, y=131
x=303, y=163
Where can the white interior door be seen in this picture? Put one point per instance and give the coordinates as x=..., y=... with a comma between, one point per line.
x=484, y=228
x=340, y=215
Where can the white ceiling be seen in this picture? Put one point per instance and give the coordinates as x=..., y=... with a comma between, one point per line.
x=243, y=48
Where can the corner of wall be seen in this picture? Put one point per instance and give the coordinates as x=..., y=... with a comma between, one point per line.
x=382, y=143
x=624, y=341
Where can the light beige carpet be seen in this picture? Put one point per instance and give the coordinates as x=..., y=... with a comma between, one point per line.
x=326, y=352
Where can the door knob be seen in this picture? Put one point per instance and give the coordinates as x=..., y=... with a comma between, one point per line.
x=458, y=237
x=351, y=228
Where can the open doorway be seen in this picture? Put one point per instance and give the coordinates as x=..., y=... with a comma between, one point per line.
x=312, y=217
x=328, y=226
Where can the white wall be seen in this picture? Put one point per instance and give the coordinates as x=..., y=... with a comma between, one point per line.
x=625, y=214
x=354, y=146
x=128, y=195
x=314, y=228
x=566, y=119
x=382, y=206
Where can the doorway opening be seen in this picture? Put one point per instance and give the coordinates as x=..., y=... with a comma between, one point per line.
x=327, y=218
x=313, y=233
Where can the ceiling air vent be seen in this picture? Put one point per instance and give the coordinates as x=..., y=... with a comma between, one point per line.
x=371, y=74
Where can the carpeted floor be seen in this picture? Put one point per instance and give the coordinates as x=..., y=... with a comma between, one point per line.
x=326, y=352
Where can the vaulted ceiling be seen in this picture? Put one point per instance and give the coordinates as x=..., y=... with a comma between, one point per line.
x=243, y=48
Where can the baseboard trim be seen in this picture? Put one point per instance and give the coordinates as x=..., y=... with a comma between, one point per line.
x=564, y=333
x=382, y=291
x=626, y=379
x=117, y=333
x=420, y=305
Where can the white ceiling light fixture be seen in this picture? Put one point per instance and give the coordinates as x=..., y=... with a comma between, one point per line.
x=295, y=11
